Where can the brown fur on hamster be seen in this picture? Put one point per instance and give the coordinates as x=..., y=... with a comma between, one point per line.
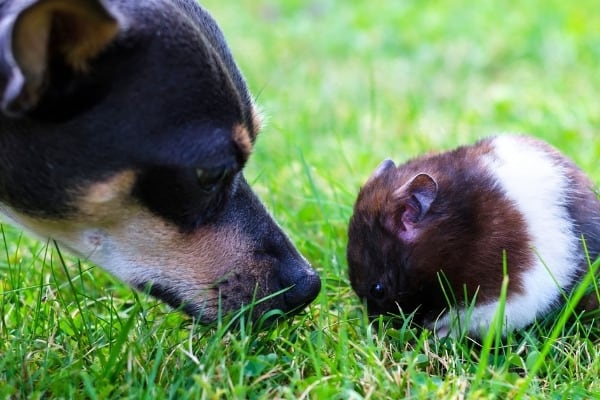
x=449, y=218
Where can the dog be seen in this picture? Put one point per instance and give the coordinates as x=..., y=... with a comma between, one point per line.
x=124, y=129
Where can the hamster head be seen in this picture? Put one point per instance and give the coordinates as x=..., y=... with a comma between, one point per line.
x=389, y=264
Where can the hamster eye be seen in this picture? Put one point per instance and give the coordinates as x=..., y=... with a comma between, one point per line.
x=377, y=290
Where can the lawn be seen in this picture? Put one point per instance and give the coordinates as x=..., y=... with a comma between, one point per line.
x=342, y=85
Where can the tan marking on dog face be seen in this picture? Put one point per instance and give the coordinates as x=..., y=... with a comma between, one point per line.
x=102, y=199
x=114, y=231
x=242, y=138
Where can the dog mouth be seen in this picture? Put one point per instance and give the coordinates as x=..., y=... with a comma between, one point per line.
x=236, y=294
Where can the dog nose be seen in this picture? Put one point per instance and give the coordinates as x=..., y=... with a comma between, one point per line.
x=304, y=285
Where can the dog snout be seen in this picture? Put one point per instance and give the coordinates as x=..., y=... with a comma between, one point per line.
x=303, y=286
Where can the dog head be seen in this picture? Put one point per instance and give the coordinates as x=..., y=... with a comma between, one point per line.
x=123, y=135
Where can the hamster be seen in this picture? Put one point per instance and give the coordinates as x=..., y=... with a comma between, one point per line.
x=435, y=230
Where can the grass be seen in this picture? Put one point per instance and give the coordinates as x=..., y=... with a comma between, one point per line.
x=343, y=85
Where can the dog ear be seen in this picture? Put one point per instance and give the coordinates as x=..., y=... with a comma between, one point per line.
x=411, y=203
x=30, y=36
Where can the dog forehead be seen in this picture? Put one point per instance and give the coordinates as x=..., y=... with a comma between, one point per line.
x=190, y=76
x=186, y=26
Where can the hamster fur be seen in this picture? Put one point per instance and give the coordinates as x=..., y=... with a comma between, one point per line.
x=437, y=227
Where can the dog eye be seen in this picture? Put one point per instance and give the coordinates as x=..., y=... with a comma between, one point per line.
x=377, y=290
x=209, y=179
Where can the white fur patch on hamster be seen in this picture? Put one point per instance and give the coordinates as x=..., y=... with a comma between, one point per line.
x=428, y=237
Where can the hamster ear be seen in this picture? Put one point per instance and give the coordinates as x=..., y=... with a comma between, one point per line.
x=382, y=168
x=412, y=201
x=32, y=35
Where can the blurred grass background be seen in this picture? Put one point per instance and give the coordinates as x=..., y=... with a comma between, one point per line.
x=346, y=85
x=342, y=85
